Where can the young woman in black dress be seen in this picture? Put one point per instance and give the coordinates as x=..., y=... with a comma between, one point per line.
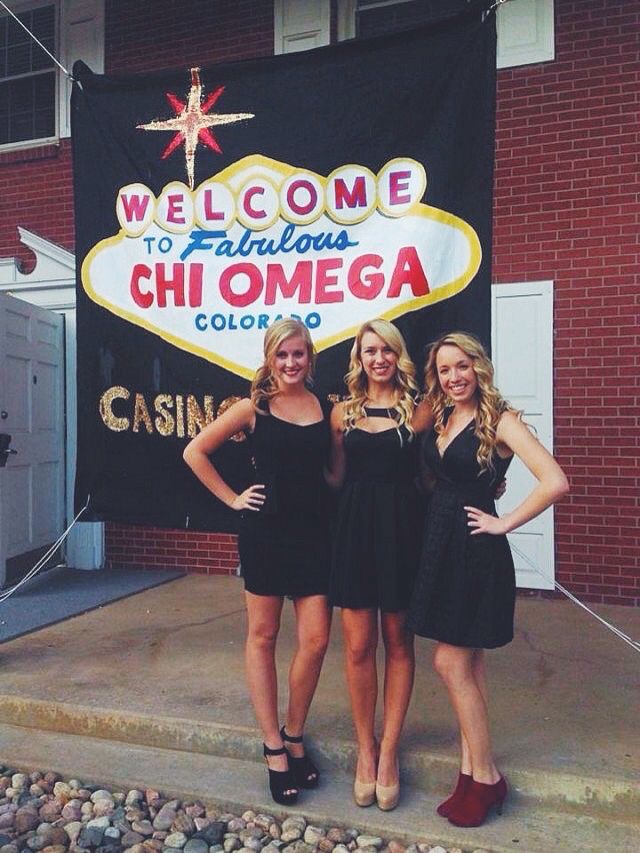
x=377, y=543
x=465, y=591
x=283, y=541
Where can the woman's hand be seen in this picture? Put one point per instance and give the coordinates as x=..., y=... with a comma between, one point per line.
x=251, y=498
x=483, y=522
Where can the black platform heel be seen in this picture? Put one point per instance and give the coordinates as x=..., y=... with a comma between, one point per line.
x=305, y=772
x=281, y=781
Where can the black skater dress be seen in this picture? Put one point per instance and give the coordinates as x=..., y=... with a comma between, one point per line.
x=284, y=548
x=465, y=589
x=378, y=523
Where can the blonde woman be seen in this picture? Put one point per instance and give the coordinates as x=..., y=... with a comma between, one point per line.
x=465, y=591
x=377, y=543
x=283, y=541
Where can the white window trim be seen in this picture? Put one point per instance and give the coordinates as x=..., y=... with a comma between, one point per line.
x=540, y=50
x=317, y=32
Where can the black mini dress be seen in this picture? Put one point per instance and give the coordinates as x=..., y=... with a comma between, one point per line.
x=465, y=589
x=284, y=548
x=378, y=524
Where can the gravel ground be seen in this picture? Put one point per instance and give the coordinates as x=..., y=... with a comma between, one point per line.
x=42, y=812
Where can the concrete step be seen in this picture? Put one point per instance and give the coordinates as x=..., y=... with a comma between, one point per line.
x=237, y=784
x=426, y=773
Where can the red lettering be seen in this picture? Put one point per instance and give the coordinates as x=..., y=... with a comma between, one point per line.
x=369, y=285
x=174, y=209
x=195, y=285
x=300, y=280
x=254, y=288
x=175, y=284
x=324, y=281
x=356, y=197
x=296, y=207
x=141, y=298
x=209, y=213
x=134, y=207
x=248, y=209
x=408, y=270
x=399, y=183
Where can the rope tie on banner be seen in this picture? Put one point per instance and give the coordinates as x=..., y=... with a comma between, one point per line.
x=4, y=595
x=496, y=4
x=37, y=41
x=635, y=644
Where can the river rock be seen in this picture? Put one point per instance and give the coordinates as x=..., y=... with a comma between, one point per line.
x=130, y=838
x=212, y=833
x=62, y=792
x=73, y=830
x=164, y=818
x=196, y=845
x=26, y=818
x=183, y=823
x=143, y=827
x=313, y=834
x=176, y=839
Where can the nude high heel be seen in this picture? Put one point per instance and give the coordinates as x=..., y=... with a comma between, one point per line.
x=364, y=793
x=388, y=796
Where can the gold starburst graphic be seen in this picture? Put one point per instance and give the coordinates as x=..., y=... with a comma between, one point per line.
x=192, y=122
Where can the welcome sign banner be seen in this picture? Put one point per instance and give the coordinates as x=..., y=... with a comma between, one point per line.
x=337, y=185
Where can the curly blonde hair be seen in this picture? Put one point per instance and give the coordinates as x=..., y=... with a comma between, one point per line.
x=264, y=386
x=491, y=404
x=358, y=384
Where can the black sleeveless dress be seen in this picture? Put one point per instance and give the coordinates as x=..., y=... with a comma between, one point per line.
x=465, y=589
x=284, y=548
x=377, y=531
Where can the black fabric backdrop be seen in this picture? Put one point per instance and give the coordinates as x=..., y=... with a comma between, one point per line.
x=426, y=94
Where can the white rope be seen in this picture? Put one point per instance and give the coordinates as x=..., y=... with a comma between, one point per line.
x=4, y=595
x=496, y=4
x=35, y=38
x=635, y=644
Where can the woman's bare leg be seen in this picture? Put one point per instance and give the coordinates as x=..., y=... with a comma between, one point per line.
x=361, y=640
x=263, y=617
x=313, y=622
x=479, y=673
x=398, y=684
x=456, y=667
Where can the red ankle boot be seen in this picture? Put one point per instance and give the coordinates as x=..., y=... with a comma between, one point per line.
x=480, y=798
x=449, y=805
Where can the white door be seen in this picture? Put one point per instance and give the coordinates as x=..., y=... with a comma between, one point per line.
x=522, y=344
x=31, y=411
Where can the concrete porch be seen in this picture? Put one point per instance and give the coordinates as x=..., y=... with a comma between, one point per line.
x=150, y=690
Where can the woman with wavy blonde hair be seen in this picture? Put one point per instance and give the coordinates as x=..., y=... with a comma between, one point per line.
x=377, y=543
x=283, y=539
x=465, y=591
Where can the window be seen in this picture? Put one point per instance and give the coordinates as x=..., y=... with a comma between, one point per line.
x=525, y=27
x=28, y=77
x=376, y=17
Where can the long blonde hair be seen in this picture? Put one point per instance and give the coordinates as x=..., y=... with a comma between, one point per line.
x=264, y=386
x=358, y=383
x=491, y=404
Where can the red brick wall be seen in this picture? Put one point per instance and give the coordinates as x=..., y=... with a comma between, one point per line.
x=567, y=208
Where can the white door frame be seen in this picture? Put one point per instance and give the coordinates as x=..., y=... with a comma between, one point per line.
x=536, y=538
x=52, y=285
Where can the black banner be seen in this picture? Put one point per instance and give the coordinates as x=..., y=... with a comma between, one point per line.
x=336, y=185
